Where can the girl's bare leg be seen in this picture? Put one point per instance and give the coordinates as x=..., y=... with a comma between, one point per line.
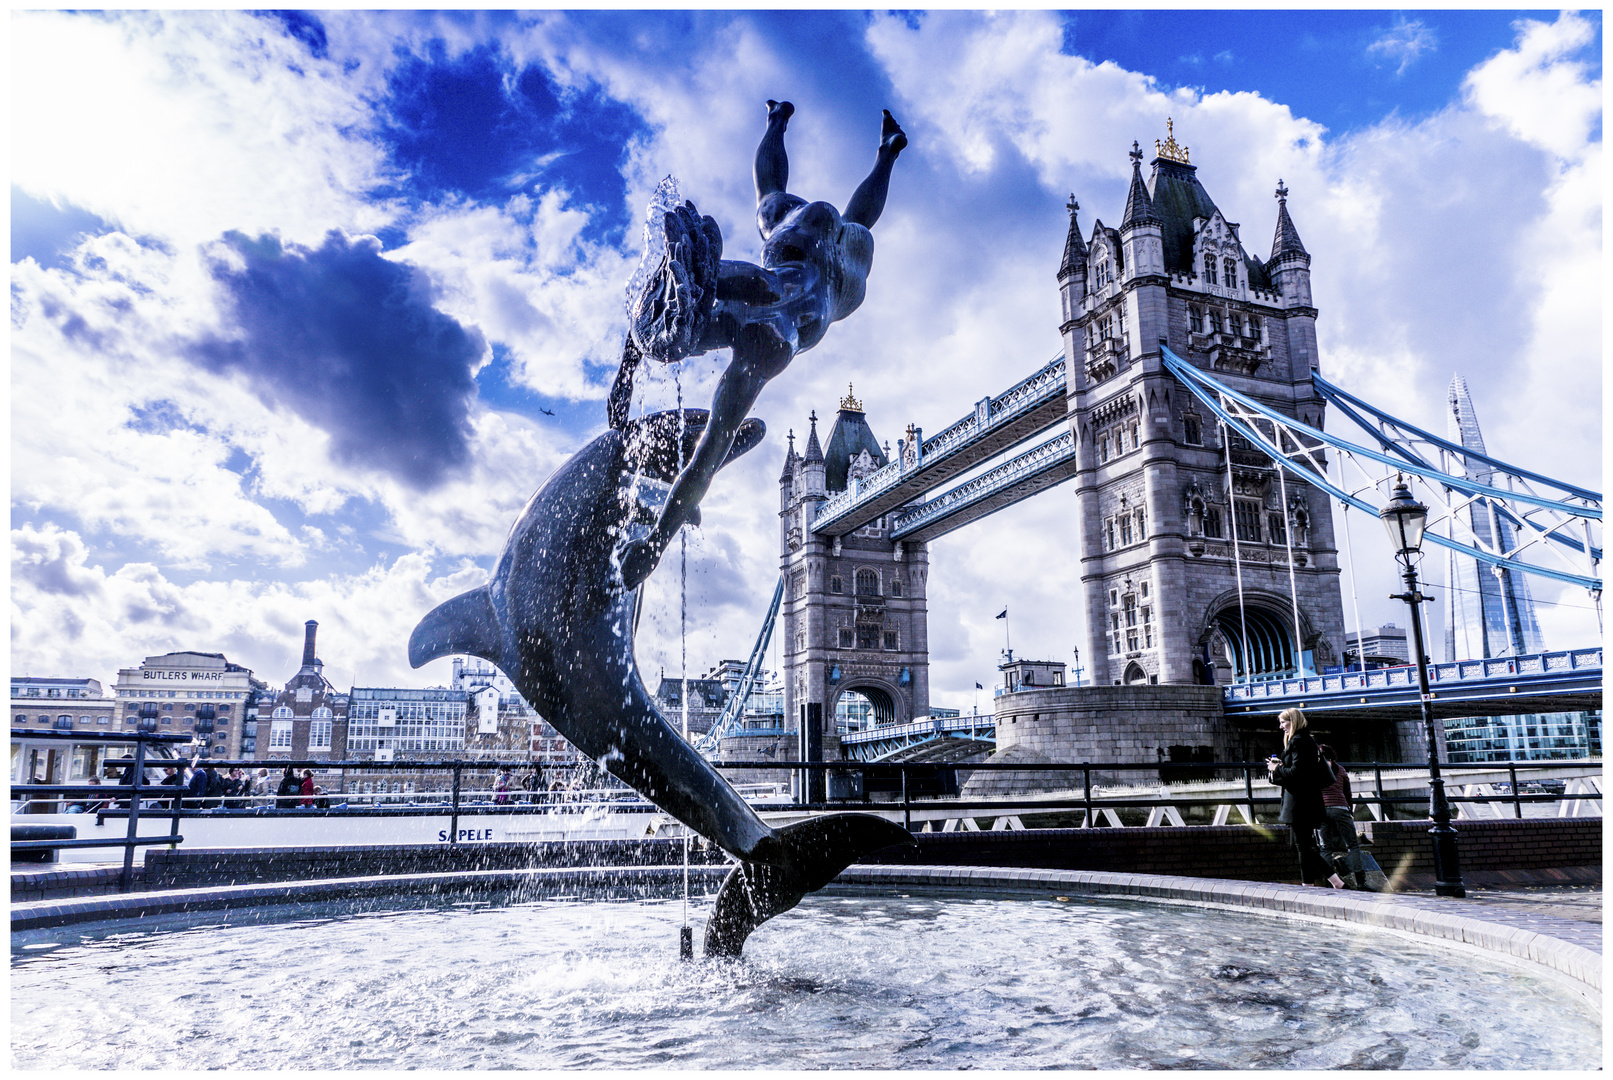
x=772, y=168
x=868, y=201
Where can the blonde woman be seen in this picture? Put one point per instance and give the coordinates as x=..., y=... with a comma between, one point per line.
x=1302, y=775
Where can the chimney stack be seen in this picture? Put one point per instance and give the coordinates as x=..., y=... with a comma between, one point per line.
x=308, y=644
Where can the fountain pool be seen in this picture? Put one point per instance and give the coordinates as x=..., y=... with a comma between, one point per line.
x=870, y=980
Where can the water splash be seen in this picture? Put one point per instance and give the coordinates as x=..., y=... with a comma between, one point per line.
x=665, y=198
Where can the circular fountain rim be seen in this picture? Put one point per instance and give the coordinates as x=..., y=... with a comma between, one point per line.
x=1544, y=945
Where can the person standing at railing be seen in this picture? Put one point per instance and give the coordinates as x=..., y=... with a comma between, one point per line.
x=1302, y=775
x=306, y=788
x=1338, y=831
x=260, y=788
x=285, y=794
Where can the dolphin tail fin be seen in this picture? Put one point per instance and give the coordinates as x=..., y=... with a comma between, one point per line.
x=465, y=624
x=814, y=852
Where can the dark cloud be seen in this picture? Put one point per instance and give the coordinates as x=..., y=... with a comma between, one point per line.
x=351, y=342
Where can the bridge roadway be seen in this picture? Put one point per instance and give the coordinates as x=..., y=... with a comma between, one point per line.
x=997, y=424
x=1566, y=681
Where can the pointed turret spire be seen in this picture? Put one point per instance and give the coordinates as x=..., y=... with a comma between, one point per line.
x=789, y=459
x=1075, y=249
x=1286, y=242
x=1139, y=205
x=814, y=452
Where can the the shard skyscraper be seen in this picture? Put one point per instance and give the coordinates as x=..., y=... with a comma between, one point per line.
x=1491, y=613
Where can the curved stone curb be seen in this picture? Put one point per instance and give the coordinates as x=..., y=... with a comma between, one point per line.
x=1569, y=951
x=45, y=914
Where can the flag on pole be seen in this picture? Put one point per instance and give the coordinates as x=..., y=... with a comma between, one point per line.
x=1004, y=615
x=979, y=687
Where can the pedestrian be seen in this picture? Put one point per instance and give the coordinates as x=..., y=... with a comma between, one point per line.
x=1338, y=832
x=501, y=788
x=289, y=787
x=1302, y=775
x=307, y=789
x=260, y=788
x=195, y=785
x=171, y=778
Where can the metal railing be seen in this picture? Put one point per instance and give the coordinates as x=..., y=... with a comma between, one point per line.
x=131, y=792
x=1250, y=776
x=1460, y=671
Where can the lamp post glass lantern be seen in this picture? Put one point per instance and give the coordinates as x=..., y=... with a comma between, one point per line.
x=1404, y=519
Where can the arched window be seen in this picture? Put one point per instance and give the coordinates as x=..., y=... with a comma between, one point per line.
x=282, y=712
x=322, y=713
x=867, y=583
x=1209, y=269
x=1215, y=321
x=1190, y=430
x=1231, y=268
x=1195, y=320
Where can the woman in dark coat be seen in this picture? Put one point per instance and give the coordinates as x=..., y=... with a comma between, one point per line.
x=1302, y=776
x=289, y=785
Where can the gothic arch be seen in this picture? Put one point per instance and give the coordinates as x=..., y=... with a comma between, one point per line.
x=1134, y=674
x=887, y=701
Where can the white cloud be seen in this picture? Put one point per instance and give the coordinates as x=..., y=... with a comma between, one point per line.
x=1404, y=43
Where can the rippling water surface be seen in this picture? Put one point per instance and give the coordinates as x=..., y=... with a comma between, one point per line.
x=842, y=981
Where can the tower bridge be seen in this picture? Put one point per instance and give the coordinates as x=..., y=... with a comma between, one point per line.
x=1187, y=404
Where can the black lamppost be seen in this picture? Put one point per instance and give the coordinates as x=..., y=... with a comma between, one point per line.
x=1405, y=518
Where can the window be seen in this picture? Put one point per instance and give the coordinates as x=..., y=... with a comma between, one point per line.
x=1132, y=431
x=1114, y=625
x=1277, y=529
x=1231, y=268
x=103, y=720
x=1125, y=529
x=890, y=640
x=1195, y=320
x=1109, y=535
x=1246, y=520
x=282, y=712
x=1254, y=326
x=1212, y=522
x=867, y=637
x=896, y=586
x=836, y=586
x=319, y=734
x=1142, y=533
x=1215, y=321
x=1234, y=322
x=1148, y=628
x=1190, y=430
x=867, y=583
x=1209, y=269
x=846, y=637
x=167, y=721
x=322, y=713
x=1103, y=447
x=280, y=735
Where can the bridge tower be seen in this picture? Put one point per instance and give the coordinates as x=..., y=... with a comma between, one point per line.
x=854, y=614
x=1160, y=489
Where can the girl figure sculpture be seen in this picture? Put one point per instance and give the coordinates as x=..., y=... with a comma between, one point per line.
x=814, y=271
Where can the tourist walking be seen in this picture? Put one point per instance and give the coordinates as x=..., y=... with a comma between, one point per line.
x=1339, y=839
x=307, y=789
x=1302, y=775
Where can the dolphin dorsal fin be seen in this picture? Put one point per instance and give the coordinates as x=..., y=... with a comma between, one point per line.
x=465, y=624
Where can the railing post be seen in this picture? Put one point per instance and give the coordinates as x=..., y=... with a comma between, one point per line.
x=1249, y=789
x=126, y=880
x=1517, y=803
x=907, y=806
x=1086, y=791
x=1386, y=811
x=453, y=816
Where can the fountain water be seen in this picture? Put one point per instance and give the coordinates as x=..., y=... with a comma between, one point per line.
x=872, y=980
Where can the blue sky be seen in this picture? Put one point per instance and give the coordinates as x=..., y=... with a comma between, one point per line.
x=304, y=306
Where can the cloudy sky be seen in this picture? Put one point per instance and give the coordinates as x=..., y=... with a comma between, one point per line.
x=304, y=307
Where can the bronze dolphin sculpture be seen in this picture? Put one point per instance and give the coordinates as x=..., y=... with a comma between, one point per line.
x=557, y=618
